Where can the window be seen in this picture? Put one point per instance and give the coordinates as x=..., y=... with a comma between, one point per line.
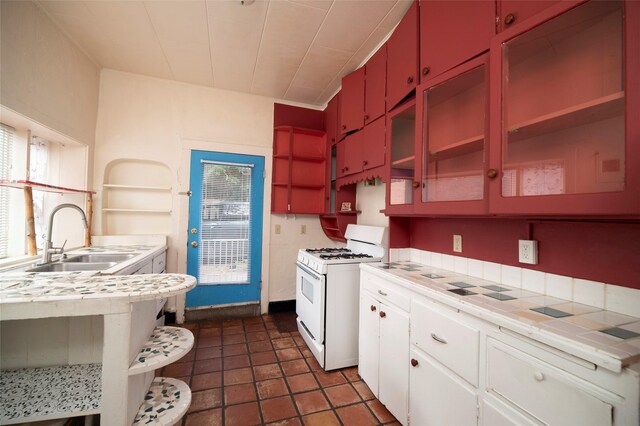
x=6, y=145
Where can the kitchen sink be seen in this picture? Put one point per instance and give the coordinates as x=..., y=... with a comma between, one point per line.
x=100, y=257
x=73, y=266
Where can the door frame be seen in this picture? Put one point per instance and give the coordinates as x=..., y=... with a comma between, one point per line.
x=182, y=201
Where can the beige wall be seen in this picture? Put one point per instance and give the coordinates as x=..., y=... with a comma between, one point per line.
x=44, y=76
x=146, y=118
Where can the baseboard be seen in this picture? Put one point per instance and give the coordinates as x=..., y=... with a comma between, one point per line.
x=282, y=306
x=225, y=312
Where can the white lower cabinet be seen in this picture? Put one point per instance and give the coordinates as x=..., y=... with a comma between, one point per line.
x=384, y=353
x=547, y=393
x=438, y=396
x=432, y=364
x=394, y=356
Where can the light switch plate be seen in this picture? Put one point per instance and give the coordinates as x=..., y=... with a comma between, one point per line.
x=457, y=243
x=528, y=251
x=277, y=229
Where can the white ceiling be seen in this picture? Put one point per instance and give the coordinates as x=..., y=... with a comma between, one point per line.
x=296, y=50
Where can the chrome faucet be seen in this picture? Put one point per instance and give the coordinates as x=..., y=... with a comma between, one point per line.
x=48, y=245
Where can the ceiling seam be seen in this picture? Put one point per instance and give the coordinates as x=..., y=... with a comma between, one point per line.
x=155, y=32
x=255, y=64
x=206, y=12
x=67, y=35
x=364, y=61
x=308, y=49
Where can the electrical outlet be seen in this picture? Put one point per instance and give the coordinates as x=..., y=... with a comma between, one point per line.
x=277, y=230
x=457, y=243
x=303, y=229
x=528, y=251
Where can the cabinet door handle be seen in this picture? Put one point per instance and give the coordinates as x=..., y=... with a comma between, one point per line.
x=414, y=362
x=492, y=173
x=415, y=184
x=425, y=70
x=438, y=339
x=344, y=127
x=538, y=376
x=409, y=80
x=365, y=162
x=382, y=293
x=382, y=314
x=509, y=19
x=373, y=308
x=366, y=117
x=346, y=169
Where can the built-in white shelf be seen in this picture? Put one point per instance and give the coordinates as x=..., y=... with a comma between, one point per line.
x=166, y=402
x=135, y=211
x=34, y=394
x=136, y=187
x=165, y=345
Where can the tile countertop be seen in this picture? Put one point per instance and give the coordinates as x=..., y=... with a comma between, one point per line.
x=144, y=253
x=51, y=294
x=607, y=339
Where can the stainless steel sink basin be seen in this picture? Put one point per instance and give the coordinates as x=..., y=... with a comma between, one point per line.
x=100, y=257
x=73, y=266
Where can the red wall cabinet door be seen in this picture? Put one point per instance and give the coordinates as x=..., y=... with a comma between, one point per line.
x=375, y=85
x=453, y=32
x=373, y=144
x=402, y=58
x=511, y=12
x=353, y=153
x=341, y=156
x=352, y=100
x=331, y=120
x=564, y=127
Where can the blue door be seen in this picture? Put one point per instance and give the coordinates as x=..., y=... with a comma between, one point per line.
x=225, y=228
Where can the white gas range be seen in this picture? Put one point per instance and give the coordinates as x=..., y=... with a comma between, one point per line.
x=328, y=292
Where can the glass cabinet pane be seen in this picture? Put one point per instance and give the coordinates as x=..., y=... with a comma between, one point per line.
x=403, y=131
x=563, y=105
x=454, y=117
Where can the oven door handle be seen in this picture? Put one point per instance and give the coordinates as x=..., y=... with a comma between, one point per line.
x=308, y=271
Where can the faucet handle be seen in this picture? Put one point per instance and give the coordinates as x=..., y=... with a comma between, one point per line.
x=62, y=248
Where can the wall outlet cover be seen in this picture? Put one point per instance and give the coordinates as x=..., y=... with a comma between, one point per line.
x=457, y=243
x=277, y=229
x=528, y=252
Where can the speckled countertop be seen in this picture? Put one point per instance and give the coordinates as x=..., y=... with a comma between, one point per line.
x=61, y=292
x=607, y=339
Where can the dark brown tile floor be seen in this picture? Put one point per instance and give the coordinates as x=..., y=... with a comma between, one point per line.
x=257, y=371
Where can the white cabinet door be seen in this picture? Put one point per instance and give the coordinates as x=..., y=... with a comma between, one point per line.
x=437, y=396
x=547, y=393
x=368, y=343
x=394, y=361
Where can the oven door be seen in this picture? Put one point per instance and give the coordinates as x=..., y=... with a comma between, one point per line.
x=310, y=299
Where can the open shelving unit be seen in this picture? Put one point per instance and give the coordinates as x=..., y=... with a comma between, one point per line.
x=136, y=197
x=165, y=345
x=299, y=170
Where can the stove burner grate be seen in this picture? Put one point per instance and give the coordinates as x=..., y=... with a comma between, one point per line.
x=328, y=250
x=344, y=256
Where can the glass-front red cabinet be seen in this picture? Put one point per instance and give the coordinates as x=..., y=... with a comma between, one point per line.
x=401, y=143
x=452, y=113
x=565, y=122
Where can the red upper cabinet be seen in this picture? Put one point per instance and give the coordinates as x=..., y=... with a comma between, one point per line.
x=331, y=120
x=373, y=144
x=402, y=58
x=564, y=112
x=452, y=116
x=453, y=32
x=375, y=85
x=352, y=102
x=511, y=12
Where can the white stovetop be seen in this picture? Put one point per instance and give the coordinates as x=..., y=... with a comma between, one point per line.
x=578, y=333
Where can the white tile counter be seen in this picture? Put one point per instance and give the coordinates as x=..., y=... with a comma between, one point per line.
x=607, y=339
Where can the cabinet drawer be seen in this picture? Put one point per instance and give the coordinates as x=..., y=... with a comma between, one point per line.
x=159, y=263
x=445, y=337
x=385, y=293
x=545, y=392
